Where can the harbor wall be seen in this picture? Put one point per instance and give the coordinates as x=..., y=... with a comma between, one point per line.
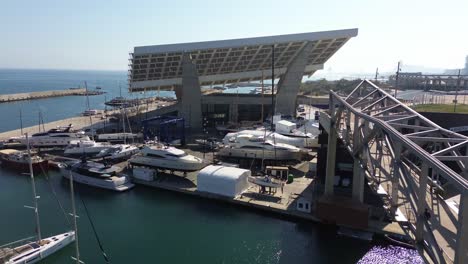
x=43, y=94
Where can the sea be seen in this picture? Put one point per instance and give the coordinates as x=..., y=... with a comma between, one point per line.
x=144, y=225
x=113, y=83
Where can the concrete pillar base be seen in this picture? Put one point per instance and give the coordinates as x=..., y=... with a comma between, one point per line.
x=190, y=95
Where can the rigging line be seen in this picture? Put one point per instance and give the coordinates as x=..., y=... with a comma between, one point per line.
x=55, y=194
x=263, y=149
x=94, y=230
x=274, y=146
x=251, y=164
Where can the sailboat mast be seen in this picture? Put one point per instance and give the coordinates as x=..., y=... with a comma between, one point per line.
x=33, y=185
x=272, y=85
x=87, y=104
x=75, y=226
x=21, y=121
x=123, y=124
x=261, y=119
x=87, y=96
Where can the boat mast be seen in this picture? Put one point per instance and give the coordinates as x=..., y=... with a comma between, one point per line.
x=33, y=185
x=273, y=96
x=39, y=120
x=21, y=121
x=75, y=226
x=272, y=85
x=123, y=124
x=87, y=95
x=87, y=104
x=261, y=119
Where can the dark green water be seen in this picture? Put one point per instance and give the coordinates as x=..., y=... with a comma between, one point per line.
x=150, y=226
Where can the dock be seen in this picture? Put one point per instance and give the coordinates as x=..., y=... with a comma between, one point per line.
x=79, y=122
x=281, y=203
x=4, y=98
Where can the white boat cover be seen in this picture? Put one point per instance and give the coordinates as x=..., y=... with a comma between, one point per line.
x=223, y=180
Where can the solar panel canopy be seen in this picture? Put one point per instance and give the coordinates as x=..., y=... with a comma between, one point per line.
x=231, y=61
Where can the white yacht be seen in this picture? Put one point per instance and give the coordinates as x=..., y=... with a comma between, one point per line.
x=166, y=158
x=118, y=137
x=90, y=112
x=300, y=142
x=250, y=146
x=97, y=175
x=33, y=252
x=56, y=137
x=118, y=152
x=85, y=147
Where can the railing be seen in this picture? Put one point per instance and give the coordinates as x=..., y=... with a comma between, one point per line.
x=376, y=127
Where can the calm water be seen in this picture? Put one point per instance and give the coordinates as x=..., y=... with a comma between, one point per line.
x=149, y=226
x=146, y=225
x=19, y=81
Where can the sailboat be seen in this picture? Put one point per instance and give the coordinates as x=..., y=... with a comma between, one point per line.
x=32, y=251
x=89, y=111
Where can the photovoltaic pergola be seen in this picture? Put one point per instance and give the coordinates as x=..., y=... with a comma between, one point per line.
x=232, y=61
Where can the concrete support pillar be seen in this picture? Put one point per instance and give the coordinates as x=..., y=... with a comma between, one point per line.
x=461, y=248
x=331, y=151
x=289, y=84
x=421, y=203
x=233, y=112
x=190, y=94
x=396, y=177
x=358, y=172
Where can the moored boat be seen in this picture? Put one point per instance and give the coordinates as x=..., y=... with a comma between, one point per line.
x=167, y=158
x=35, y=251
x=29, y=250
x=56, y=137
x=252, y=147
x=85, y=147
x=19, y=160
x=118, y=152
x=97, y=175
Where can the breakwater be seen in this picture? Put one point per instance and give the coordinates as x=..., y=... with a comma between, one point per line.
x=46, y=94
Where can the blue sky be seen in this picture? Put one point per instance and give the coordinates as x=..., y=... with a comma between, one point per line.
x=99, y=34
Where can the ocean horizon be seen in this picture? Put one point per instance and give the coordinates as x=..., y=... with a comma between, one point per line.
x=113, y=83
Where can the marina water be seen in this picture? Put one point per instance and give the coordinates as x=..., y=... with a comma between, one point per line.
x=145, y=225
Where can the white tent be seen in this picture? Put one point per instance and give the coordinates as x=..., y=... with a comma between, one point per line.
x=223, y=180
x=284, y=126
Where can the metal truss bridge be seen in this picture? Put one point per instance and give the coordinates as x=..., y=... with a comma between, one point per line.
x=421, y=165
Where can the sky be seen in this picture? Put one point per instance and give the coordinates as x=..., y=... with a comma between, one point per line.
x=99, y=35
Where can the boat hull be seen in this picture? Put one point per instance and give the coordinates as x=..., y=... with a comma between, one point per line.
x=85, y=151
x=166, y=164
x=259, y=154
x=50, y=246
x=114, y=185
x=52, y=141
x=38, y=167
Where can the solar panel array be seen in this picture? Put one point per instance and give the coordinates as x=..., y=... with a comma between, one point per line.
x=225, y=64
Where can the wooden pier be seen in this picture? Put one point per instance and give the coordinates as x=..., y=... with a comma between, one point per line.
x=46, y=94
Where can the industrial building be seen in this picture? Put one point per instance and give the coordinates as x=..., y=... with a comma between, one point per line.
x=187, y=67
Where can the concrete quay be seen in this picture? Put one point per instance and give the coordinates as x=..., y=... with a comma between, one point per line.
x=45, y=94
x=84, y=122
x=281, y=203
